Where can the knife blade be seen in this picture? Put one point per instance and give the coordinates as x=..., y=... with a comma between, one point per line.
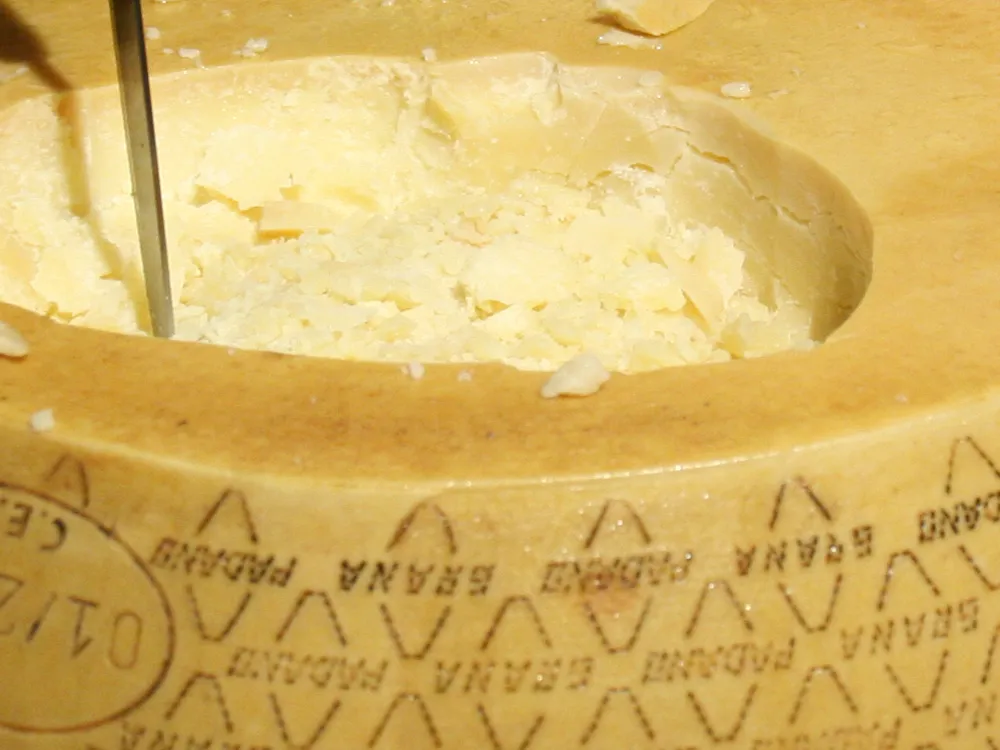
x=140, y=136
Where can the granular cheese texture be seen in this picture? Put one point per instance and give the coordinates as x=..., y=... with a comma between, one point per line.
x=385, y=211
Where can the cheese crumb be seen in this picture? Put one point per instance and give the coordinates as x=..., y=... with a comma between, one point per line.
x=414, y=370
x=188, y=53
x=429, y=54
x=737, y=90
x=42, y=421
x=465, y=376
x=153, y=33
x=621, y=38
x=581, y=376
x=168, y=50
x=12, y=343
x=253, y=47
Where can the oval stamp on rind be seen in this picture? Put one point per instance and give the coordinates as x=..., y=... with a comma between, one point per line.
x=86, y=632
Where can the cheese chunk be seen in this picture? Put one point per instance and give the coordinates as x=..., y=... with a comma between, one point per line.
x=655, y=17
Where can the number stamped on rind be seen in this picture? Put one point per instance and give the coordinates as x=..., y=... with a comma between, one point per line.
x=102, y=633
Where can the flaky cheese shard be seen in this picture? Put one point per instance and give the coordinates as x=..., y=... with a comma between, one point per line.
x=655, y=17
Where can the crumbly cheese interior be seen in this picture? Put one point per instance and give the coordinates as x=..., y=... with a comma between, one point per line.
x=388, y=211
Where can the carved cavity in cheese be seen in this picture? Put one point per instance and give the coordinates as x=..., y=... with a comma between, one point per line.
x=656, y=17
x=405, y=211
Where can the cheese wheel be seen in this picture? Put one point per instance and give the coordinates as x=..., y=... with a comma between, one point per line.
x=219, y=550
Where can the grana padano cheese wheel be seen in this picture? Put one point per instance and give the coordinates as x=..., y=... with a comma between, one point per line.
x=213, y=549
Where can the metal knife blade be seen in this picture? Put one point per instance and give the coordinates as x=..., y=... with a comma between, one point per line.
x=137, y=108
